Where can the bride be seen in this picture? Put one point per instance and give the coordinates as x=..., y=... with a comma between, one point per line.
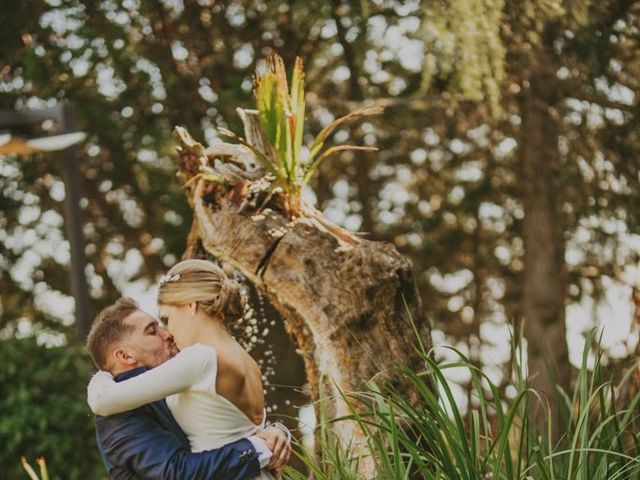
x=213, y=387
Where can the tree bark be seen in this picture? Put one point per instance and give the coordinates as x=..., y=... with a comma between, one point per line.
x=349, y=306
x=543, y=230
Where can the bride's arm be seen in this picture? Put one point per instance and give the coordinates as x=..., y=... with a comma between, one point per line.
x=105, y=396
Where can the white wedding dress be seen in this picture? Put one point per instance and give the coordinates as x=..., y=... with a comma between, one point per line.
x=188, y=382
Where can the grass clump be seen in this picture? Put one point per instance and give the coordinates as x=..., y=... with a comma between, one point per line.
x=496, y=439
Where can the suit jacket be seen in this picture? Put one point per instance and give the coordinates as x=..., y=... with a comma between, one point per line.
x=147, y=443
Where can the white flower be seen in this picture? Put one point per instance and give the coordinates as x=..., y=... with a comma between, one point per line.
x=166, y=278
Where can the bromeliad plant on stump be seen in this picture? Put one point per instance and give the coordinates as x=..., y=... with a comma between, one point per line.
x=277, y=142
x=349, y=303
x=281, y=116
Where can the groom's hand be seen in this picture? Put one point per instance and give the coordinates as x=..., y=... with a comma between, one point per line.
x=280, y=447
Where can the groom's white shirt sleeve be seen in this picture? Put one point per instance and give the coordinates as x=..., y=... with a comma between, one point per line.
x=264, y=454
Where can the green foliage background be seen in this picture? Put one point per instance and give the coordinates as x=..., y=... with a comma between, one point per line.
x=446, y=186
x=44, y=410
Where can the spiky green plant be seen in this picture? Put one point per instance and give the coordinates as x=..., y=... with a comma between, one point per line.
x=495, y=439
x=281, y=113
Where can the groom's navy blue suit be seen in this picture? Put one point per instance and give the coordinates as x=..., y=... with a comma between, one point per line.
x=147, y=443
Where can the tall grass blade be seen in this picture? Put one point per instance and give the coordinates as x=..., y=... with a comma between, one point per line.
x=29, y=469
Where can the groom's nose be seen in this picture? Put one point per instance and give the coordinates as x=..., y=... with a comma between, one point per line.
x=168, y=339
x=165, y=335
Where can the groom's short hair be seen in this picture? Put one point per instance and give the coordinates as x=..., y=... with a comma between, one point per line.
x=108, y=328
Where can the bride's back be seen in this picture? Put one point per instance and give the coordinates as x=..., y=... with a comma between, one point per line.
x=239, y=380
x=209, y=416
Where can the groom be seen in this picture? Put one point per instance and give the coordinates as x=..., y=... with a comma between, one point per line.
x=147, y=443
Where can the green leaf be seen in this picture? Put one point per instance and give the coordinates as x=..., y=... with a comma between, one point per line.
x=324, y=134
x=266, y=103
x=297, y=109
x=330, y=151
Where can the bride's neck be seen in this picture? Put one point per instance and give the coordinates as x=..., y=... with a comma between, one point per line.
x=210, y=331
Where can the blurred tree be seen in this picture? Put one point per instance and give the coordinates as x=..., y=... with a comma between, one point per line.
x=508, y=168
x=132, y=70
x=504, y=171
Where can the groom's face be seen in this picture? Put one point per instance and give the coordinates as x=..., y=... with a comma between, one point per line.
x=150, y=343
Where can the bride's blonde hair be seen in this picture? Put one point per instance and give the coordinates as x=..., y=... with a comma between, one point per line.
x=205, y=283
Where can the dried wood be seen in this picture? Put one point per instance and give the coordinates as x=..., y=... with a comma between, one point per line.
x=350, y=306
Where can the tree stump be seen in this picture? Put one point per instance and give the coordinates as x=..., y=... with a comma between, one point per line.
x=351, y=307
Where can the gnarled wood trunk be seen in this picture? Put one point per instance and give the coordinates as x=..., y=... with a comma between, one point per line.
x=349, y=306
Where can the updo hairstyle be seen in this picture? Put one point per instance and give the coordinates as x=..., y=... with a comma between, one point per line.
x=205, y=283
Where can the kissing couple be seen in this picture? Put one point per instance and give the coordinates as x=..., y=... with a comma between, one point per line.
x=181, y=400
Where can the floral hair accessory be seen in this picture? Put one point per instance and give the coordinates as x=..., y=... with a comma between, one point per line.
x=166, y=278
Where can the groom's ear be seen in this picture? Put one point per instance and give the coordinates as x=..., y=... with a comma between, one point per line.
x=121, y=355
